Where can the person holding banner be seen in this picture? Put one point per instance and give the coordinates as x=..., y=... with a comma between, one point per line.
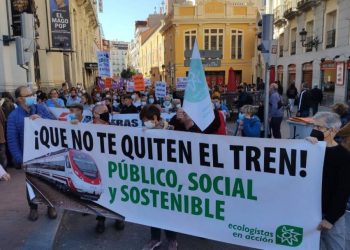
x=335, y=181
x=27, y=107
x=150, y=115
x=101, y=116
x=54, y=101
x=73, y=98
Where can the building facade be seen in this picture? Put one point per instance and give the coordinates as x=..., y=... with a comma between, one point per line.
x=51, y=65
x=313, y=38
x=118, y=57
x=226, y=35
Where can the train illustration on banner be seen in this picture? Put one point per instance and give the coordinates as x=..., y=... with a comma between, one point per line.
x=70, y=171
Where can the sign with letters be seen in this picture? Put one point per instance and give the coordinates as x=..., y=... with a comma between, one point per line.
x=60, y=25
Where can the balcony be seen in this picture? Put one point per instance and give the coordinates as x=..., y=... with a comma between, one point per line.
x=290, y=9
x=304, y=5
x=278, y=15
x=293, y=48
x=330, y=39
x=308, y=42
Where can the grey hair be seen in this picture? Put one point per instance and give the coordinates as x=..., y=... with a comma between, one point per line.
x=248, y=109
x=331, y=120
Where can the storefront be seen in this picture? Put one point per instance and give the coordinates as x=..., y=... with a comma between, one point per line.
x=216, y=78
x=328, y=75
x=307, y=74
x=291, y=73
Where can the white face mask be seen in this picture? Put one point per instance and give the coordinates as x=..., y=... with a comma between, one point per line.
x=149, y=124
x=166, y=103
x=151, y=101
x=133, y=96
x=143, y=103
x=178, y=106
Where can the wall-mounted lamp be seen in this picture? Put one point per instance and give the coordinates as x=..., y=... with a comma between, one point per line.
x=313, y=43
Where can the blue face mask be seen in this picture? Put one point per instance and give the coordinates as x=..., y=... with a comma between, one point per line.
x=72, y=116
x=30, y=100
x=240, y=116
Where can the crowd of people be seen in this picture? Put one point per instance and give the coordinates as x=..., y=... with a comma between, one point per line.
x=333, y=127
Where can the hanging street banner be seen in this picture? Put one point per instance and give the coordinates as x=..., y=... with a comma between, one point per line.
x=181, y=83
x=197, y=102
x=160, y=90
x=60, y=25
x=233, y=189
x=103, y=64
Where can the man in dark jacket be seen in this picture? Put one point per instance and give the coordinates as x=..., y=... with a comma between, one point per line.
x=316, y=98
x=304, y=102
x=27, y=107
x=128, y=107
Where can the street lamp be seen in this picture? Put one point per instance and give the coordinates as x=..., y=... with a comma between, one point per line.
x=311, y=44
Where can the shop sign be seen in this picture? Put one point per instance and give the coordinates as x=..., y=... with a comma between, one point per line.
x=340, y=73
x=328, y=65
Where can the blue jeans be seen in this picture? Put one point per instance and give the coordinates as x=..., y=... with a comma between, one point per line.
x=334, y=239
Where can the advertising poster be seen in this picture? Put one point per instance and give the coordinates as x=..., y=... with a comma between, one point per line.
x=237, y=190
x=60, y=24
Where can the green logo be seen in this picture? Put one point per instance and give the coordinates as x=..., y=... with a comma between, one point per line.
x=289, y=236
x=196, y=89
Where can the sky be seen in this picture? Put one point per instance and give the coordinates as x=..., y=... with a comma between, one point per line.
x=119, y=16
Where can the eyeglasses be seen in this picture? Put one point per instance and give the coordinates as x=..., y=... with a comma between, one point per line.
x=29, y=95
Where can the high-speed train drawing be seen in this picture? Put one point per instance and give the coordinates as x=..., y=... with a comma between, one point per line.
x=70, y=171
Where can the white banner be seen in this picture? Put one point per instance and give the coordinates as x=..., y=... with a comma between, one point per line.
x=231, y=189
x=160, y=91
x=103, y=64
x=129, y=86
x=181, y=83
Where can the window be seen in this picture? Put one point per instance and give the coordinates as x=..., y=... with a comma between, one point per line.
x=309, y=38
x=190, y=37
x=331, y=29
x=236, y=44
x=214, y=39
x=280, y=44
x=293, y=41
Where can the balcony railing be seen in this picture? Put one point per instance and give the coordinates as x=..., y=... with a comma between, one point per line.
x=306, y=4
x=290, y=9
x=293, y=48
x=330, y=39
x=308, y=43
x=278, y=14
x=281, y=51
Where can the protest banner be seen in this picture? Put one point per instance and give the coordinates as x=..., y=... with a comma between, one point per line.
x=62, y=114
x=232, y=189
x=160, y=90
x=129, y=86
x=197, y=103
x=139, y=84
x=103, y=64
x=60, y=25
x=181, y=83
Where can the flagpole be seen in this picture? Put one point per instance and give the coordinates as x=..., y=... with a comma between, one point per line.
x=266, y=101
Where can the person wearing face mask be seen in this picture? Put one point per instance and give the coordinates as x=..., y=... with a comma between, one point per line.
x=151, y=100
x=167, y=105
x=101, y=116
x=27, y=107
x=73, y=98
x=76, y=114
x=249, y=124
x=128, y=107
x=150, y=115
x=136, y=99
x=54, y=101
x=335, y=180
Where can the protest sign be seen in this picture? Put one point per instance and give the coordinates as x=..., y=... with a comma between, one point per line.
x=60, y=25
x=139, y=84
x=160, y=91
x=181, y=83
x=103, y=64
x=148, y=82
x=197, y=103
x=250, y=193
x=129, y=86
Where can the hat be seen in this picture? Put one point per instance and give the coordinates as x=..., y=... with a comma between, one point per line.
x=344, y=131
x=77, y=106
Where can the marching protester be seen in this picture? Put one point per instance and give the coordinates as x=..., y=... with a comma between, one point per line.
x=343, y=111
x=292, y=93
x=54, y=100
x=73, y=98
x=244, y=98
x=335, y=181
x=27, y=107
x=136, y=99
x=316, y=96
x=76, y=114
x=304, y=101
x=128, y=107
x=101, y=116
x=167, y=105
x=249, y=125
x=86, y=101
x=275, y=111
